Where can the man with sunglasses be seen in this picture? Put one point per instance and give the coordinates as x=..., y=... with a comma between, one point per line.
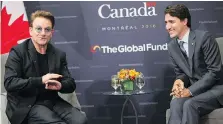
x=34, y=74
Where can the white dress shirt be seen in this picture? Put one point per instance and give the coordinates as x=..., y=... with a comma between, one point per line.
x=185, y=39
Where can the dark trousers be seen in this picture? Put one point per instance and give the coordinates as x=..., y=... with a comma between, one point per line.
x=60, y=113
x=189, y=110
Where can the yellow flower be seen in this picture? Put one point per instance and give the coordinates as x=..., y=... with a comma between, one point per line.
x=121, y=76
x=131, y=73
x=137, y=74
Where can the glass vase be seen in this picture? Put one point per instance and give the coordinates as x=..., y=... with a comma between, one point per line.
x=126, y=85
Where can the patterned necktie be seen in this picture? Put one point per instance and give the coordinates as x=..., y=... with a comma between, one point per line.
x=181, y=43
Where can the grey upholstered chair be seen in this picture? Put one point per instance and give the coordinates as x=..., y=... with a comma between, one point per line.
x=71, y=98
x=216, y=116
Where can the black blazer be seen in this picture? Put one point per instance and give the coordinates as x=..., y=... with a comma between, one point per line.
x=22, y=79
x=202, y=71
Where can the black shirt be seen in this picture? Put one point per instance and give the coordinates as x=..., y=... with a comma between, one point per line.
x=46, y=97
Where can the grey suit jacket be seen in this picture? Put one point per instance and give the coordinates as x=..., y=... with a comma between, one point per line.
x=202, y=71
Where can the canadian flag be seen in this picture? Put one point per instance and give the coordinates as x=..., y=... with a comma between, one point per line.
x=14, y=28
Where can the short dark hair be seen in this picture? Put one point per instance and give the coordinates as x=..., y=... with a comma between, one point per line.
x=44, y=14
x=180, y=11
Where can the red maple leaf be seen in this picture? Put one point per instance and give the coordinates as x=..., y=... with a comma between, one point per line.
x=11, y=34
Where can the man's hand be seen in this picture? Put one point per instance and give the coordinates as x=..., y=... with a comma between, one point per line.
x=185, y=93
x=50, y=81
x=50, y=76
x=53, y=85
x=178, y=87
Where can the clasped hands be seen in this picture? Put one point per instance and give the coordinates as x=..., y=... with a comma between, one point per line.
x=178, y=90
x=51, y=81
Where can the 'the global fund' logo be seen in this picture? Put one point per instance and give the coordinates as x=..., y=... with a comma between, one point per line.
x=94, y=48
x=129, y=48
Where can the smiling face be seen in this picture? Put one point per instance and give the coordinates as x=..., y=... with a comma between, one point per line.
x=41, y=31
x=175, y=27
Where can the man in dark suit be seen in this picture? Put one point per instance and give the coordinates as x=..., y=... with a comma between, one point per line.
x=34, y=74
x=197, y=63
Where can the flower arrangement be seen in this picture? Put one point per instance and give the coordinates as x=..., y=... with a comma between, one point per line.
x=127, y=74
x=127, y=77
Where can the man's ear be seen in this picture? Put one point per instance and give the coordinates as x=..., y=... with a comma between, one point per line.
x=30, y=31
x=185, y=21
x=53, y=31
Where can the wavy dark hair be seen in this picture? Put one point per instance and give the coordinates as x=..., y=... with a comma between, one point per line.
x=180, y=11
